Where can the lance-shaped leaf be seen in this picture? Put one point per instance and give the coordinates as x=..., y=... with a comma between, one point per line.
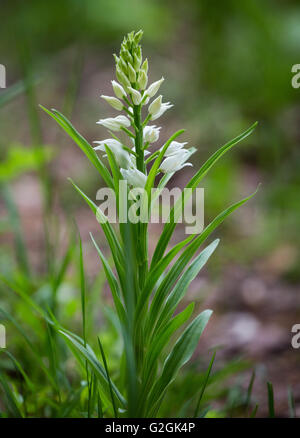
x=181, y=353
x=112, y=281
x=183, y=260
x=161, y=312
x=82, y=143
x=109, y=232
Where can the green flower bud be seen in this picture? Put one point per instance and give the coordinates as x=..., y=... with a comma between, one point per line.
x=123, y=66
x=138, y=36
x=122, y=78
x=117, y=59
x=137, y=61
x=131, y=73
x=145, y=66
x=142, y=80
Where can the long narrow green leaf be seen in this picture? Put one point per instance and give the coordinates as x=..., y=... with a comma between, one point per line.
x=114, y=286
x=90, y=356
x=82, y=143
x=271, y=400
x=253, y=413
x=11, y=402
x=109, y=232
x=30, y=345
x=108, y=378
x=291, y=401
x=196, y=414
x=181, y=353
x=19, y=368
x=14, y=221
x=249, y=390
x=161, y=339
x=188, y=253
x=164, y=312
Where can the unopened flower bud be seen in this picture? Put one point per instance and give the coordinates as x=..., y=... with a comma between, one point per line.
x=145, y=66
x=136, y=96
x=116, y=58
x=122, y=78
x=126, y=56
x=118, y=90
x=131, y=73
x=137, y=61
x=142, y=80
x=153, y=88
x=138, y=36
x=122, y=65
x=114, y=102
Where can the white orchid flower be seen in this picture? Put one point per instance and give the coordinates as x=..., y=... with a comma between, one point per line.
x=173, y=148
x=151, y=134
x=118, y=89
x=134, y=177
x=115, y=123
x=155, y=106
x=153, y=88
x=136, y=95
x=114, y=102
x=123, y=158
x=163, y=108
x=175, y=162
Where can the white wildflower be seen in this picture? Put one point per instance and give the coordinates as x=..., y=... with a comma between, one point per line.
x=155, y=106
x=163, y=108
x=134, y=177
x=151, y=134
x=173, y=148
x=123, y=158
x=115, y=123
x=175, y=162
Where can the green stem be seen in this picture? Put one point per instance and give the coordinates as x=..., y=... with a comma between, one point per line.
x=142, y=236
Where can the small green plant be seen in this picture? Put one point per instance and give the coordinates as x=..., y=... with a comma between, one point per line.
x=146, y=293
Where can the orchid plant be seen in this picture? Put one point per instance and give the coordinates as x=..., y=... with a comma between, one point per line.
x=157, y=338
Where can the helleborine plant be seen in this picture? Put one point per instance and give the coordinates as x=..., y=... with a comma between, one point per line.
x=146, y=293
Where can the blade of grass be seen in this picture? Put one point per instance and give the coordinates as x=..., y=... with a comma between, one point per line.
x=271, y=400
x=108, y=378
x=10, y=398
x=291, y=403
x=254, y=412
x=249, y=390
x=196, y=413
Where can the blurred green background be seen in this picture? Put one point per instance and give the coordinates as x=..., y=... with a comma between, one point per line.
x=226, y=65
